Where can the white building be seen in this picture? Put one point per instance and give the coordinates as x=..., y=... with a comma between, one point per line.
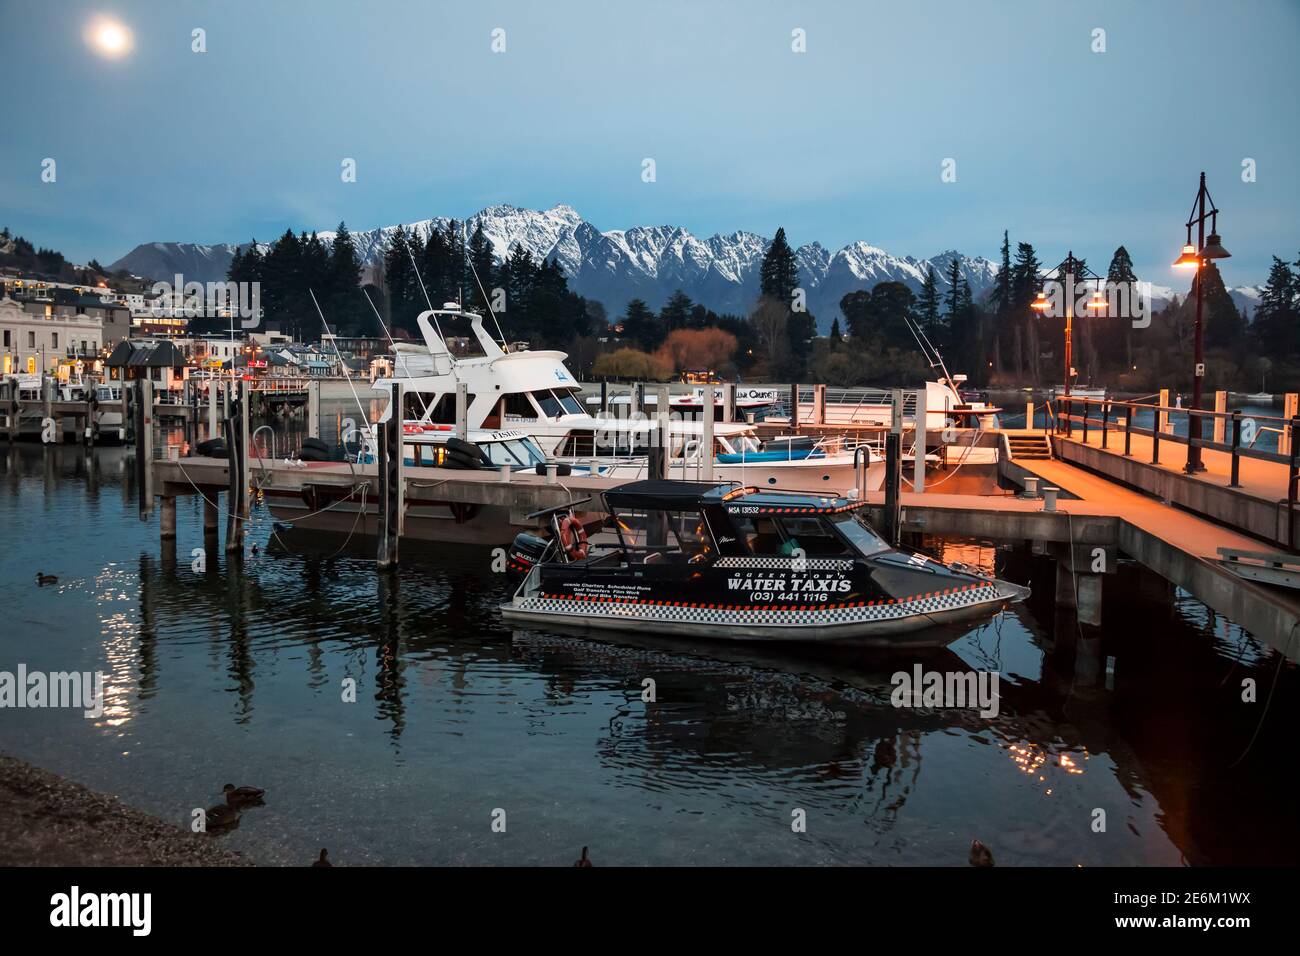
x=40, y=341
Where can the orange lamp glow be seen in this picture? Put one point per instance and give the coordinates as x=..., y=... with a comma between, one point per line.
x=1040, y=304
x=1189, y=259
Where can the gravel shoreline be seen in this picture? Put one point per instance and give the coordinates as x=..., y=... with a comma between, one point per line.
x=46, y=820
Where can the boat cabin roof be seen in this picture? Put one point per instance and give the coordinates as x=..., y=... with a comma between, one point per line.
x=671, y=495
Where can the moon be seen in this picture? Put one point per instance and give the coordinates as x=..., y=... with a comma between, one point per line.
x=108, y=37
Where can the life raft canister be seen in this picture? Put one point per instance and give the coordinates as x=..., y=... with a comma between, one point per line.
x=573, y=537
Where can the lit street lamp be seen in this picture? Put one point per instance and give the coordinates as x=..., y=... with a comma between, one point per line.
x=1066, y=274
x=1195, y=257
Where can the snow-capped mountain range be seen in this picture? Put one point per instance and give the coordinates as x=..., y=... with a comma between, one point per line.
x=647, y=262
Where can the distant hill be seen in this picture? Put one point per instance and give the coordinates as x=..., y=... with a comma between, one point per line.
x=647, y=262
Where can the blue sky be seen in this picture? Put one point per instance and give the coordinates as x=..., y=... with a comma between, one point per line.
x=1065, y=147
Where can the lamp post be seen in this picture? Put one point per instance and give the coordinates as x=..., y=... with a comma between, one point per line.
x=1195, y=257
x=1073, y=269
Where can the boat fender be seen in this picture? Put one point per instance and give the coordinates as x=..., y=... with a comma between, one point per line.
x=562, y=469
x=573, y=537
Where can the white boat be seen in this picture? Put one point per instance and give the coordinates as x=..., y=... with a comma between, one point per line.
x=533, y=392
x=112, y=426
x=1079, y=391
x=749, y=399
x=1260, y=398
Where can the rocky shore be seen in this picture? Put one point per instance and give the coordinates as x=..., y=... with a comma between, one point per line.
x=46, y=820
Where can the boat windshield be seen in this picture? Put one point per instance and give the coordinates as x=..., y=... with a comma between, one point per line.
x=854, y=527
x=674, y=537
x=556, y=403
x=516, y=452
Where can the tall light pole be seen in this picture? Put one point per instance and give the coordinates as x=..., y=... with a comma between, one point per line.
x=1195, y=257
x=1065, y=274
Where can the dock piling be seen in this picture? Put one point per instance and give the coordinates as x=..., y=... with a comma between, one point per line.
x=391, y=482
x=894, y=470
x=462, y=412
x=920, y=442
x=706, y=438
x=236, y=427
x=313, y=409
x=142, y=426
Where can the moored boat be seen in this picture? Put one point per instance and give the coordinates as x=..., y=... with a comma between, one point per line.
x=722, y=562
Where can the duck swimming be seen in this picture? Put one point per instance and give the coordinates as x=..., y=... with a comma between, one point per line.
x=584, y=860
x=222, y=817
x=43, y=579
x=242, y=796
x=322, y=861
x=980, y=855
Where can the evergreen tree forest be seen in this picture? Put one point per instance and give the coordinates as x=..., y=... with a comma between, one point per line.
x=995, y=340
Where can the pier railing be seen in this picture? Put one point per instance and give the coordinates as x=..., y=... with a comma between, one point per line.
x=1219, y=431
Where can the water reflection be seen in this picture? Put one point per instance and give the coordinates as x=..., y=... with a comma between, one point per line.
x=222, y=665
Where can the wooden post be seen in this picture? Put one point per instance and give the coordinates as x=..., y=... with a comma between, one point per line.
x=167, y=518
x=209, y=513
x=1221, y=406
x=893, y=470
x=143, y=408
x=921, y=438
x=819, y=404
x=92, y=417
x=604, y=395
x=1290, y=408
x=236, y=428
x=212, y=408
x=462, y=412
x=391, y=479
x=1029, y=415
x=313, y=409
x=12, y=407
x=47, y=396
x=729, y=402
x=1162, y=416
x=794, y=407
x=706, y=434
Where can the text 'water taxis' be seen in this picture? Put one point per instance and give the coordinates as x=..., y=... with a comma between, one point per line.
x=722, y=562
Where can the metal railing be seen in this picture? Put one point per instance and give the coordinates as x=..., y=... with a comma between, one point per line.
x=1079, y=412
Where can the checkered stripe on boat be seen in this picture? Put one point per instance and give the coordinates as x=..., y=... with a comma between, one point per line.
x=777, y=614
x=783, y=564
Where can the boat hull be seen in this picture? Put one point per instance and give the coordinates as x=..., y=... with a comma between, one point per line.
x=922, y=622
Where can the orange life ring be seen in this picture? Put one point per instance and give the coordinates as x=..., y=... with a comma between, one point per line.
x=573, y=537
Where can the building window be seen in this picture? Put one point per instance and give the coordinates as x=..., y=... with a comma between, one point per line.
x=6, y=345
x=31, y=340
x=54, y=336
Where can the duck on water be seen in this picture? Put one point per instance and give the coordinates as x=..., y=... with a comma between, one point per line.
x=733, y=563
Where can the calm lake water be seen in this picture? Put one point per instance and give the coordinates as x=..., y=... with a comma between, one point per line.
x=235, y=675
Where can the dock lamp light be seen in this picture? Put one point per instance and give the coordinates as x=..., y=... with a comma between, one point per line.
x=1195, y=257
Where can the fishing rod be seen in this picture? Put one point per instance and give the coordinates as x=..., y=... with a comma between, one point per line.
x=364, y=415
x=464, y=244
x=396, y=354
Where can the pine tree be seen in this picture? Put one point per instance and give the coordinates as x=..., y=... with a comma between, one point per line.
x=641, y=326
x=344, y=283
x=676, y=312
x=835, y=338
x=927, y=306
x=779, y=275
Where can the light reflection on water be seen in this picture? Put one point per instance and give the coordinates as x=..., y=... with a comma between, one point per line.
x=215, y=676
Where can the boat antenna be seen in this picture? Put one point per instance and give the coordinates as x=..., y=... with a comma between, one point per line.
x=361, y=408
x=928, y=349
x=420, y=279
x=396, y=354
x=483, y=292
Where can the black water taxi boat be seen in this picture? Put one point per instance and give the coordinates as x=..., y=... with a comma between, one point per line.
x=723, y=562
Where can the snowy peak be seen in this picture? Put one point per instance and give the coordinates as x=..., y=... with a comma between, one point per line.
x=615, y=266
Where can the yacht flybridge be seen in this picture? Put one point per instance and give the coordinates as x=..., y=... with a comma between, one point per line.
x=533, y=392
x=732, y=563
